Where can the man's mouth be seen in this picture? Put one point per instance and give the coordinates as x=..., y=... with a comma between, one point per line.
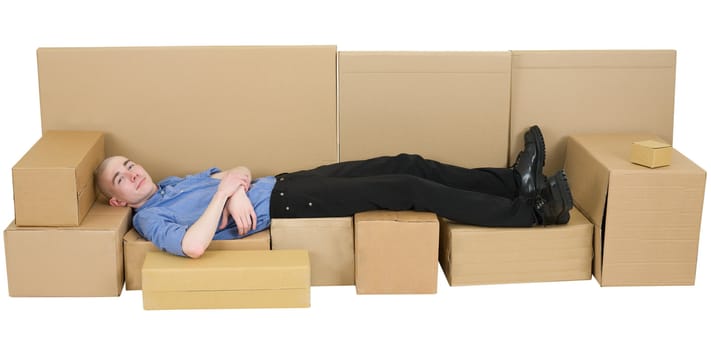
x=140, y=183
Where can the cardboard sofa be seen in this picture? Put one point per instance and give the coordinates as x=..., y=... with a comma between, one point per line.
x=180, y=110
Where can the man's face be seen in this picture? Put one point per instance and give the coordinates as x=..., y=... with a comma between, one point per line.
x=127, y=182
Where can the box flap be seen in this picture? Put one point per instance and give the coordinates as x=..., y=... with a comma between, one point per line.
x=653, y=144
x=227, y=270
x=399, y=216
x=59, y=149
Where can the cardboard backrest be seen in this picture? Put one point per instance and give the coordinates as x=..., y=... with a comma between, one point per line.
x=180, y=110
x=569, y=92
x=448, y=106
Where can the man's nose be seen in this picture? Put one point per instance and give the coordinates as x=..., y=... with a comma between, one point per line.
x=133, y=176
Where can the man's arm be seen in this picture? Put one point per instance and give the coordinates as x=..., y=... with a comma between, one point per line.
x=199, y=235
x=241, y=172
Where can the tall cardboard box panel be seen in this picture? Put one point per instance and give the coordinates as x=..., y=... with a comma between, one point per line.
x=227, y=279
x=396, y=252
x=53, y=183
x=473, y=255
x=329, y=242
x=647, y=221
x=86, y=260
x=150, y=100
x=569, y=92
x=136, y=247
x=448, y=106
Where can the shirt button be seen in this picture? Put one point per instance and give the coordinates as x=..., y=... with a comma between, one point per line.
x=287, y=208
x=281, y=194
x=281, y=179
x=311, y=204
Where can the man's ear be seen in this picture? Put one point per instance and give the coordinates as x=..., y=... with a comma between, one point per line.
x=117, y=203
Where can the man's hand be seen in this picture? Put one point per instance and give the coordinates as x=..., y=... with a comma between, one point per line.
x=241, y=210
x=231, y=181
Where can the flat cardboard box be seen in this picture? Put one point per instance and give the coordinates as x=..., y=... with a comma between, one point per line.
x=329, y=242
x=651, y=153
x=53, y=183
x=572, y=92
x=396, y=252
x=647, y=221
x=135, y=248
x=472, y=255
x=391, y=102
x=227, y=279
x=68, y=261
x=203, y=94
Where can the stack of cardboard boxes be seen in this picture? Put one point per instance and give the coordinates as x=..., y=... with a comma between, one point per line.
x=632, y=225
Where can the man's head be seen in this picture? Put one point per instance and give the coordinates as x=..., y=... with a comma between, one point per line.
x=124, y=182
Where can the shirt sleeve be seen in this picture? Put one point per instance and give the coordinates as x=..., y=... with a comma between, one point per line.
x=161, y=229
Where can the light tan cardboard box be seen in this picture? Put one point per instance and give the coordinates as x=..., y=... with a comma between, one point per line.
x=473, y=255
x=329, y=242
x=69, y=261
x=572, y=92
x=650, y=153
x=396, y=252
x=136, y=247
x=647, y=221
x=207, y=95
x=53, y=183
x=227, y=279
x=448, y=106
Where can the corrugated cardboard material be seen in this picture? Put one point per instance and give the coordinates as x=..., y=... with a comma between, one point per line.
x=53, y=183
x=227, y=279
x=396, y=252
x=329, y=242
x=404, y=102
x=150, y=100
x=473, y=255
x=647, y=221
x=569, y=92
x=69, y=261
x=650, y=153
x=136, y=247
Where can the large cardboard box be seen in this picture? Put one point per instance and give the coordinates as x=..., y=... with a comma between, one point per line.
x=473, y=255
x=396, y=252
x=69, y=261
x=227, y=279
x=647, y=221
x=149, y=100
x=572, y=92
x=448, y=106
x=53, y=183
x=135, y=248
x=329, y=242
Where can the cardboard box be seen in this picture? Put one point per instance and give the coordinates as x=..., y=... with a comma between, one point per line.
x=647, y=221
x=227, y=279
x=391, y=101
x=135, y=248
x=69, y=261
x=572, y=92
x=651, y=153
x=396, y=252
x=201, y=94
x=473, y=255
x=53, y=183
x=329, y=242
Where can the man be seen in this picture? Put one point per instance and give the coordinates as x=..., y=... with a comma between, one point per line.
x=183, y=215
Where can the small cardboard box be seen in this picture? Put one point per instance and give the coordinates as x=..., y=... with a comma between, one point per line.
x=69, y=261
x=227, y=279
x=53, y=183
x=473, y=255
x=135, y=248
x=647, y=221
x=329, y=242
x=396, y=252
x=651, y=153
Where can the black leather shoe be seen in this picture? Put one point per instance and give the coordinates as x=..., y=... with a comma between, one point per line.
x=554, y=202
x=529, y=164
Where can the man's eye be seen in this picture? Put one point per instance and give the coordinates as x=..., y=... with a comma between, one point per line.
x=119, y=180
x=130, y=166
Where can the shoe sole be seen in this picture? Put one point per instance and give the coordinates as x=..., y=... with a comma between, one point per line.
x=561, y=191
x=541, y=153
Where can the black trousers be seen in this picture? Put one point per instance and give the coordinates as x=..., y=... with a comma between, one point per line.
x=483, y=197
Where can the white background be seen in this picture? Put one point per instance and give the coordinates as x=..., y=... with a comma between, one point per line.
x=558, y=315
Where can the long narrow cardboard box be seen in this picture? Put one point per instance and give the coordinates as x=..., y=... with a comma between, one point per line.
x=227, y=279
